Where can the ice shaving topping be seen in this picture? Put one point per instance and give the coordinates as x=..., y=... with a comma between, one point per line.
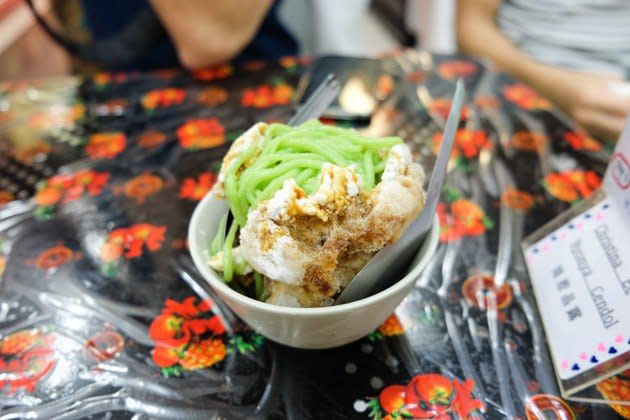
x=311, y=206
x=317, y=243
x=250, y=139
x=266, y=239
x=272, y=154
x=337, y=184
x=277, y=206
x=397, y=163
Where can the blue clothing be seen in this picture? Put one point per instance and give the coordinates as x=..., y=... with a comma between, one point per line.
x=106, y=18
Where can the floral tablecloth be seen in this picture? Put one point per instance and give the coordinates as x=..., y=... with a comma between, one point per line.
x=103, y=314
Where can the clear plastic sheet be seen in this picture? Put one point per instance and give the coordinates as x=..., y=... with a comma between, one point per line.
x=102, y=312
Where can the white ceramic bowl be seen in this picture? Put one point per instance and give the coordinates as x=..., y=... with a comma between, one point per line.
x=308, y=328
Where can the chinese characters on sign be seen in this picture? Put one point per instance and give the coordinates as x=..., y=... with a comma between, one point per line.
x=563, y=285
x=579, y=266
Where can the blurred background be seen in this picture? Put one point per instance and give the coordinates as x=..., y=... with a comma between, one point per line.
x=26, y=51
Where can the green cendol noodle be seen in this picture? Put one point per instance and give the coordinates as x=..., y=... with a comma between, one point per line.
x=299, y=153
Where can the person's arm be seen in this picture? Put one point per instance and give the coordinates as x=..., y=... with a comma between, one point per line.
x=586, y=97
x=207, y=32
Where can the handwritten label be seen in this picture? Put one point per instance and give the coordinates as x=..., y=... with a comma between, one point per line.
x=580, y=273
x=612, y=255
x=563, y=286
x=581, y=277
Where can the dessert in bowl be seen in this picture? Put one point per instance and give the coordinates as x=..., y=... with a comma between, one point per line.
x=309, y=206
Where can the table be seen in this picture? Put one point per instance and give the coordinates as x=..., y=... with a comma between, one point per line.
x=97, y=275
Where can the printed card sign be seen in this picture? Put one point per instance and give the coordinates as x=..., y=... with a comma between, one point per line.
x=582, y=284
x=579, y=265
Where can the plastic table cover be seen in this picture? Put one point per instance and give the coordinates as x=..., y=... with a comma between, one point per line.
x=102, y=313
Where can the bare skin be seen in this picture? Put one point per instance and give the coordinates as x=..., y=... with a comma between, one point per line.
x=210, y=32
x=585, y=97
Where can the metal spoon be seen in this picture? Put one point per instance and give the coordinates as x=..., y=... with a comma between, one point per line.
x=317, y=103
x=395, y=258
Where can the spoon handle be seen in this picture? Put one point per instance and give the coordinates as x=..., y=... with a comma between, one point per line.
x=425, y=219
x=395, y=258
x=317, y=103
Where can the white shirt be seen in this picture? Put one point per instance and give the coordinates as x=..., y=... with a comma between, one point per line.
x=589, y=35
